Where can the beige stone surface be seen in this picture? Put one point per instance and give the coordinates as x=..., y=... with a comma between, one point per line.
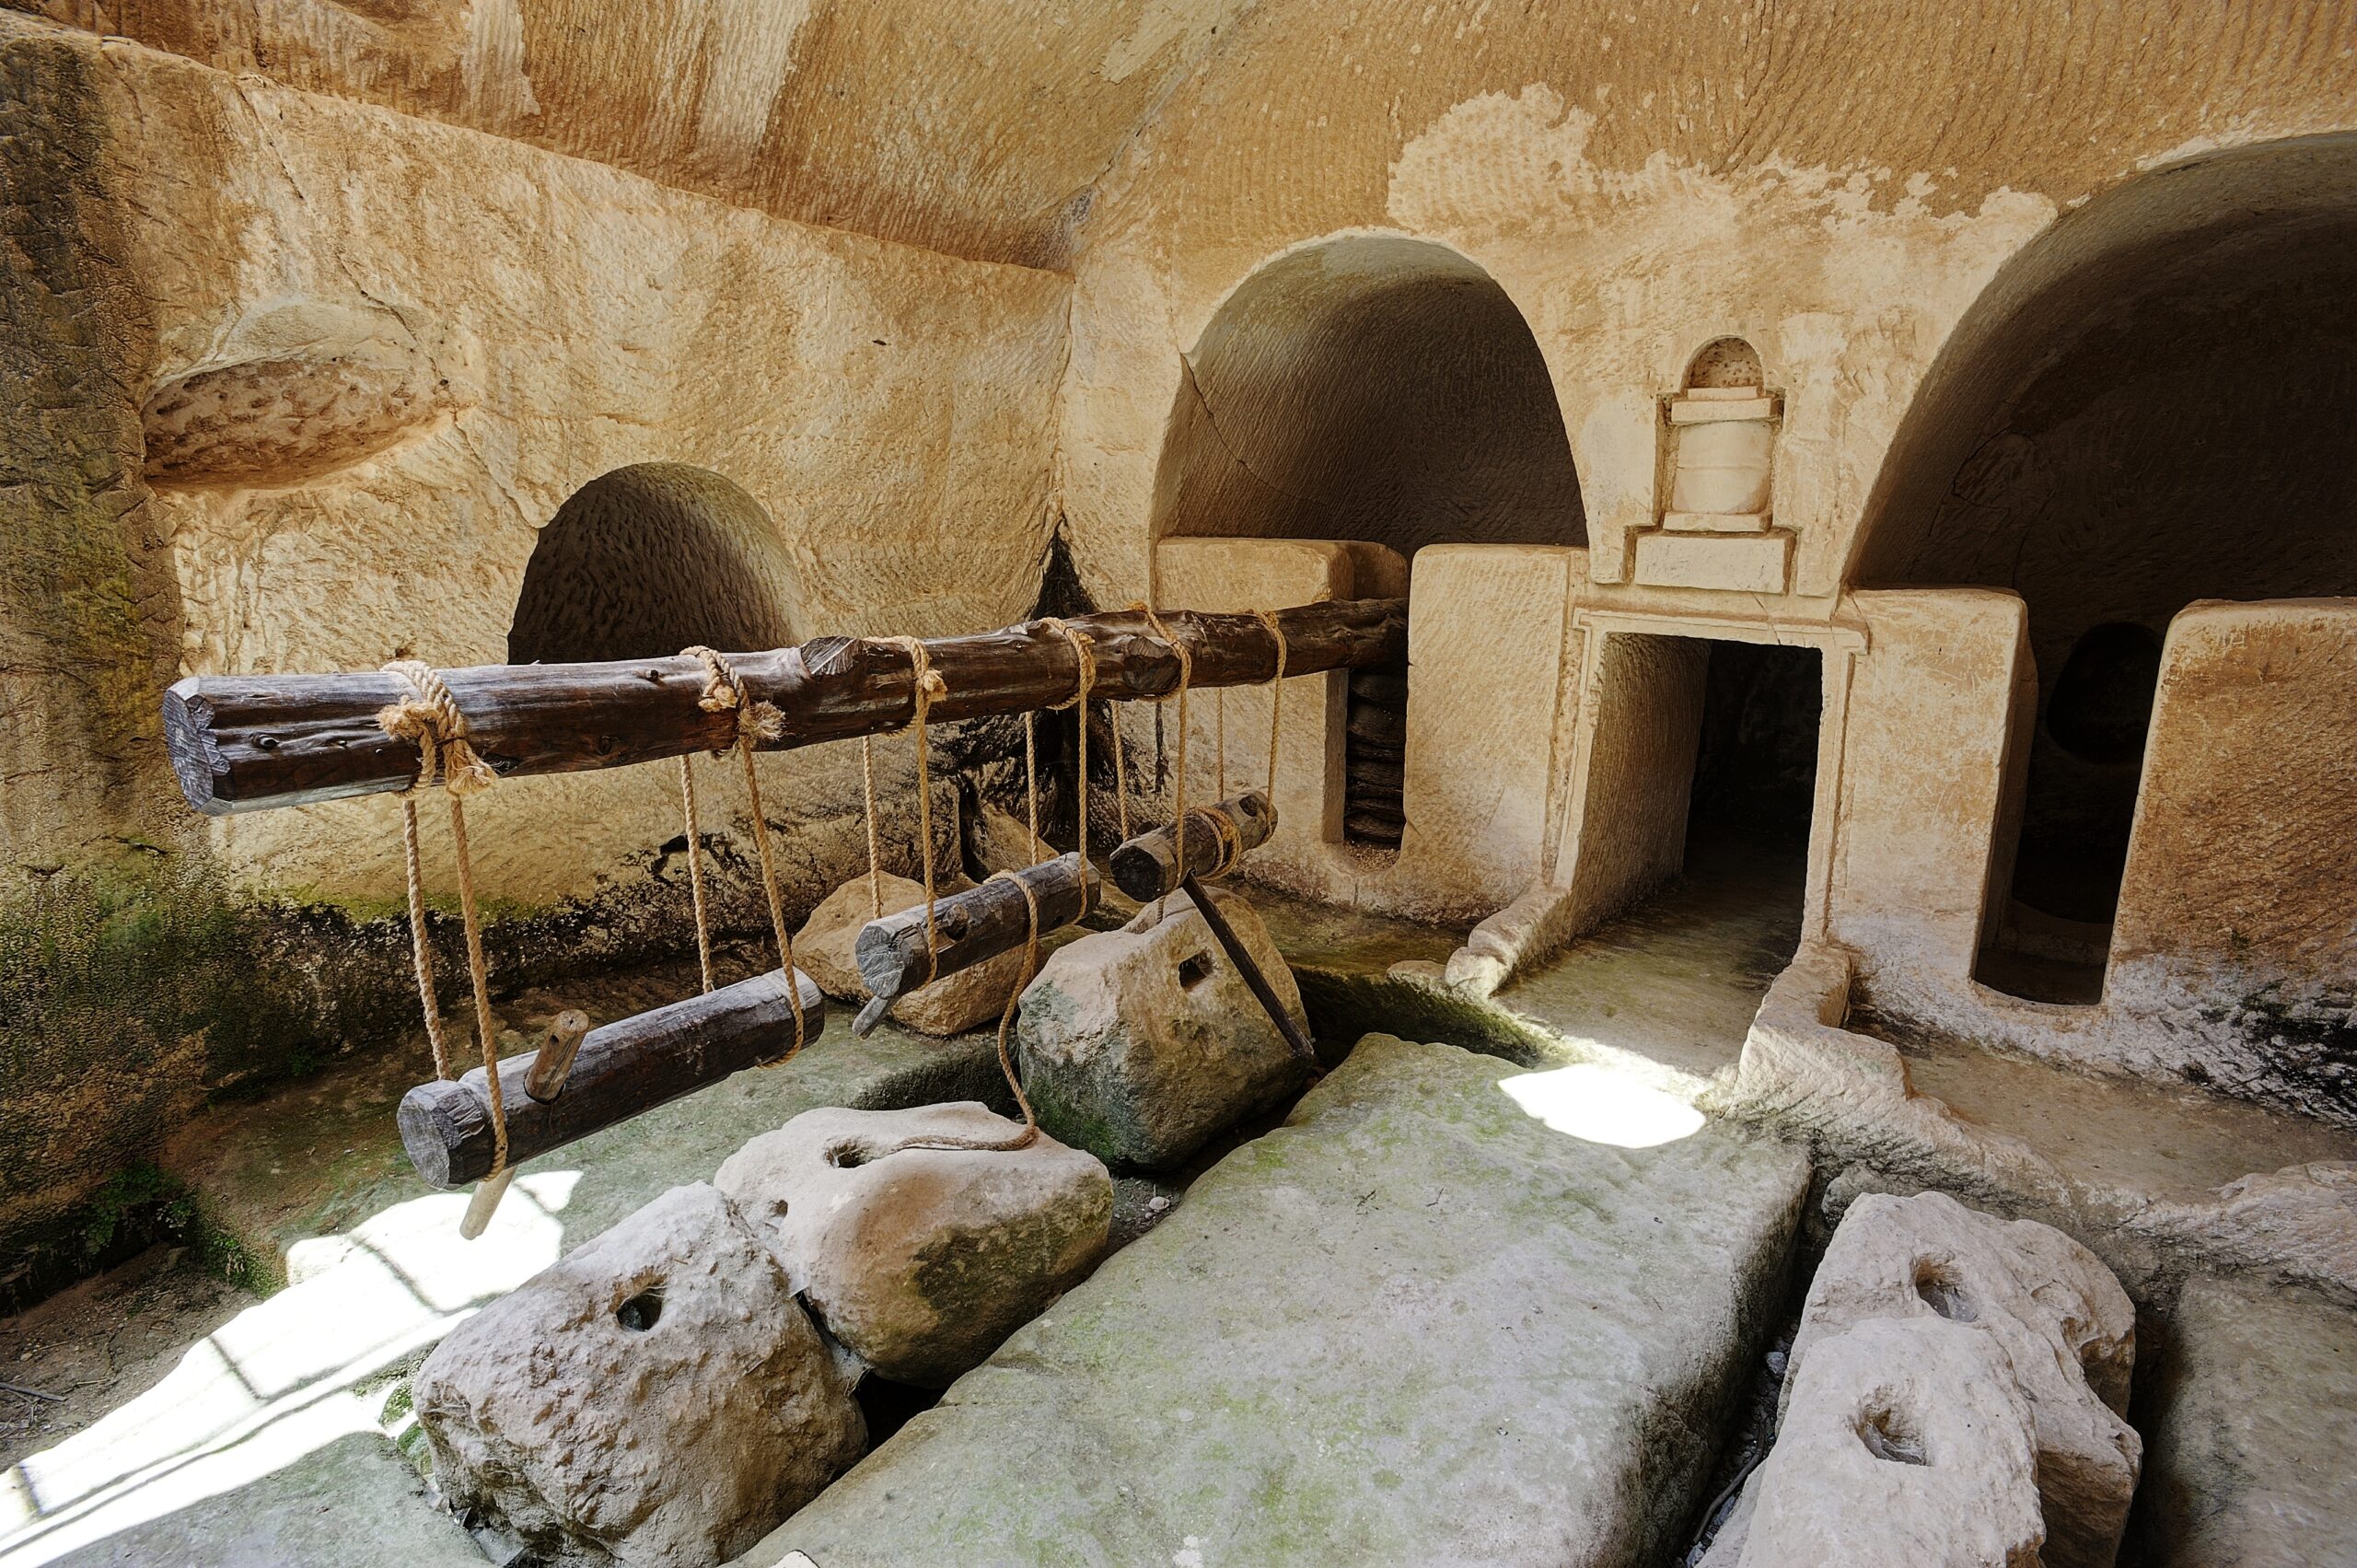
x=831, y=113
x=921, y=1260
x=2068, y=1331
x=2252, y=1414
x=448, y=334
x=824, y=949
x=1917, y=833
x=656, y=1395
x=1904, y=1440
x=1140, y=1045
x=2245, y=848
x=1759, y=563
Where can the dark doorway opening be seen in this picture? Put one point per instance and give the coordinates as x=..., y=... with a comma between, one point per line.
x=1754, y=788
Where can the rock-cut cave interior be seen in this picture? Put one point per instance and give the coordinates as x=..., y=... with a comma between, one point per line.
x=869, y=783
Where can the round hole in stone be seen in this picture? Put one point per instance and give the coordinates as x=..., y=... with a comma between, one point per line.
x=1890, y=1437
x=640, y=1311
x=1943, y=1293
x=846, y=1157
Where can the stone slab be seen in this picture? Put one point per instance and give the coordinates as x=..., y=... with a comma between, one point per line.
x=1739, y=563
x=354, y=1502
x=1414, y=1324
x=2251, y=1423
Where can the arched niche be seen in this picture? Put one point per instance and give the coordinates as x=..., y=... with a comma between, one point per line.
x=2153, y=404
x=1369, y=387
x=1386, y=393
x=648, y=560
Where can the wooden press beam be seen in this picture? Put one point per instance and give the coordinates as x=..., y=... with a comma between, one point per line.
x=617, y=1072
x=256, y=742
x=972, y=927
x=1147, y=867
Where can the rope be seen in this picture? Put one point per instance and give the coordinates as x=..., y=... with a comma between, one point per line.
x=724, y=690
x=1084, y=653
x=927, y=687
x=1276, y=697
x=695, y=869
x=875, y=844
x=1219, y=735
x=1005, y=1061
x=429, y=715
x=1031, y=780
x=1186, y=670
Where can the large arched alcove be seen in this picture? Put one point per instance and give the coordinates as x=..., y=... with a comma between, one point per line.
x=1377, y=390
x=1369, y=387
x=650, y=559
x=2154, y=404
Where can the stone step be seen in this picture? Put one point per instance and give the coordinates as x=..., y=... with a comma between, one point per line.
x=1416, y=1323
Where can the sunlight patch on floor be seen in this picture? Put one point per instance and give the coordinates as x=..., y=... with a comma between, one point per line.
x=276, y=1381
x=1602, y=1106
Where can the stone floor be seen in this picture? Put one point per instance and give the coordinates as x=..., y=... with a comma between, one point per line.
x=1444, y=1314
x=203, y=1426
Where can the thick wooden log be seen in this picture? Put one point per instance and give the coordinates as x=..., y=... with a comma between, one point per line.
x=618, y=1071
x=972, y=927
x=1147, y=867
x=254, y=742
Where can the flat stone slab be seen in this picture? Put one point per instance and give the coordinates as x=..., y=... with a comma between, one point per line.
x=2251, y=1426
x=1415, y=1324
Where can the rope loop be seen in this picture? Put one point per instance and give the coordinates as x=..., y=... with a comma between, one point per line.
x=1276, y=696
x=1185, y=673
x=1084, y=652
x=1030, y=1132
x=725, y=691
x=430, y=716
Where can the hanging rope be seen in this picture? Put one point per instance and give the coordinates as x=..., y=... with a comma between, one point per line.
x=1031, y=781
x=695, y=868
x=1186, y=671
x=1084, y=653
x=1005, y=1058
x=724, y=691
x=1219, y=735
x=1276, y=697
x=429, y=716
x=927, y=687
x=874, y=843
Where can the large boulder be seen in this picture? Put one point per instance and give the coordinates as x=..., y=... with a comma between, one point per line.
x=967, y=1000
x=657, y=1398
x=1140, y=1045
x=921, y=1260
x=1904, y=1440
x=2068, y=1330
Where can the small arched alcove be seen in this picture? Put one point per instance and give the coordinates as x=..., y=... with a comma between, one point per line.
x=650, y=559
x=1377, y=391
x=2150, y=405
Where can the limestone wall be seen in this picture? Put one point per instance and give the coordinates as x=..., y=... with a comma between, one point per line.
x=2236, y=930
x=308, y=376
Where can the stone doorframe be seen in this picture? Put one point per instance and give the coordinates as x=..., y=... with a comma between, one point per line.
x=1563, y=903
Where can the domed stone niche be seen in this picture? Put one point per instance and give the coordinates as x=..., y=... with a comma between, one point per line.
x=1718, y=439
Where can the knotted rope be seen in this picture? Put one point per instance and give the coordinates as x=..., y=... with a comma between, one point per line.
x=429, y=716
x=724, y=691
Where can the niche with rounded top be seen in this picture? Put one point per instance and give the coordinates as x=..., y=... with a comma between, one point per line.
x=650, y=559
x=1382, y=392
